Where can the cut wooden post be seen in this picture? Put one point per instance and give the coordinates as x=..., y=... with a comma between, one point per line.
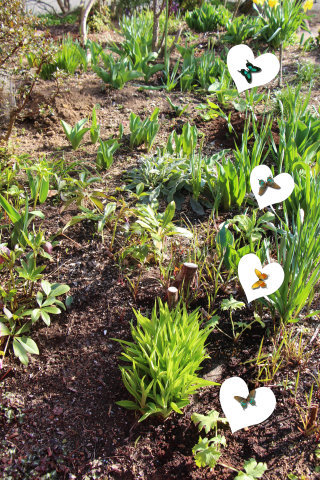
x=173, y=297
x=186, y=276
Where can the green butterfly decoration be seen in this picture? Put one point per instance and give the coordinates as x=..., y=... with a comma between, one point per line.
x=250, y=400
x=250, y=70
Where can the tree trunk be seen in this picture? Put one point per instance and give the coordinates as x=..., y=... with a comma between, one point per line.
x=83, y=20
x=155, y=25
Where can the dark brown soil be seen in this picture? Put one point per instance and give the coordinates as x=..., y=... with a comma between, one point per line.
x=67, y=394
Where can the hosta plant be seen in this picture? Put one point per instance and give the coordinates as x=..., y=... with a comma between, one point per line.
x=163, y=360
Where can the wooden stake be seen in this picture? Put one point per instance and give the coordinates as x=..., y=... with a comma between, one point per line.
x=173, y=296
x=186, y=276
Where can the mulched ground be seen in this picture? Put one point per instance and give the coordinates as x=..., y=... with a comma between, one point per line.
x=63, y=417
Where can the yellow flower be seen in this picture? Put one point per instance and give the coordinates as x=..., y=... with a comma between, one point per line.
x=308, y=5
x=273, y=3
x=261, y=2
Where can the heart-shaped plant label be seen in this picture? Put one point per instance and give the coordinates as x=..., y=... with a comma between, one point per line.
x=269, y=190
x=243, y=408
x=247, y=71
x=257, y=281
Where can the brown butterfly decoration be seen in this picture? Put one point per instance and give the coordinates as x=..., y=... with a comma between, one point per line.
x=244, y=402
x=269, y=183
x=260, y=282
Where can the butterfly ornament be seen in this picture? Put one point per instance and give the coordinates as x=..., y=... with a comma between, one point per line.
x=260, y=283
x=250, y=70
x=243, y=408
x=244, y=402
x=267, y=189
x=263, y=185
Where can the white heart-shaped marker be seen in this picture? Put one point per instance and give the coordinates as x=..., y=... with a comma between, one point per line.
x=271, y=195
x=247, y=276
x=237, y=416
x=237, y=59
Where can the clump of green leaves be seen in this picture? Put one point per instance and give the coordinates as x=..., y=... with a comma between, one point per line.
x=164, y=357
x=207, y=18
x=143, y=131
x=118, y=72
x=105, y=153
x=75, y=134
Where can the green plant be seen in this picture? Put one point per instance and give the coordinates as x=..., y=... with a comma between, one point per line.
x=20, y=221
x=239, y=327
x=75, y=134
x=241, y=28
x=251, y=229
x=105, y=217
x=208, y=451
x=95, y=128
x=298, y=251
x=308, y=72
x=118, y=72
x=39, y=183
x=82, y=193
x=280, y=22
x=228, y=186
x=252, y=469
x=207, y=18
x=177, y=109
x=164, y=356
x=158, y=225
x=70, y=56
x=12, y=324
x=105, y=153
x=143, y=132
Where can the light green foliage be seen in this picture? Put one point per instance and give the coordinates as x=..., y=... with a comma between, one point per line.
x=252, y=469
x=105, y=153
x=104, y=216
x=75, y=134
x=143, y=132
x=209, y=421
x=164, y=356
x=207, y=18
x=207, y=452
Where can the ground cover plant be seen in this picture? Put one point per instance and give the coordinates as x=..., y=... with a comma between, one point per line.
x=125, y=170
